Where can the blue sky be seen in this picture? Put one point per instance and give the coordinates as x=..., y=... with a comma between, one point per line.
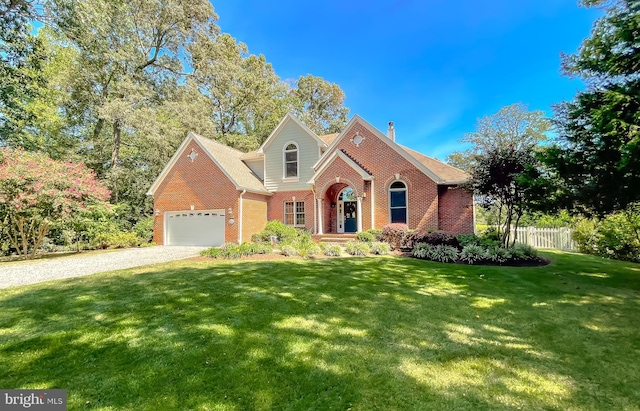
x=432, y=66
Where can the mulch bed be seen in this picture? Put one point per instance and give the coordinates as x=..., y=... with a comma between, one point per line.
x=537, y=262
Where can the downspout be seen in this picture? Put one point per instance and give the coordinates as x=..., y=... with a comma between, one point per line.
x=240, y=218
x=315, y=211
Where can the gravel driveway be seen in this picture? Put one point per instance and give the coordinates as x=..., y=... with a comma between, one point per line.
x=31, y=272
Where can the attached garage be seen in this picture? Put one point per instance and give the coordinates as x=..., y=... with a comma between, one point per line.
x=201, y=227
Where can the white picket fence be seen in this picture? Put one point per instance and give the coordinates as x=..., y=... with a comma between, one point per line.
x=557, y=238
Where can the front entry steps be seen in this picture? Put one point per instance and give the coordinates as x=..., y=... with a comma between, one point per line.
x=334, y=238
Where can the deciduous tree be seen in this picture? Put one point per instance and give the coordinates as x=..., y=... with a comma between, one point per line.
x=37, y=193
x=594, y=165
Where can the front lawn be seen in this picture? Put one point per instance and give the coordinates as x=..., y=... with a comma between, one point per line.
x=332, y=334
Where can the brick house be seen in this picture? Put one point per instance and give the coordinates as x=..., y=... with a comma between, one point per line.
x=358, y=179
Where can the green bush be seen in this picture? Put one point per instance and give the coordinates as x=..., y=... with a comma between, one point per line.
x=617, y=236
x=468, y=239
x=288, y=250
x=212, y=252
x=144, y=229
x=472, y=253
x=523, y=251
x=233, y=251
x=278, y=229
x=365, y=237
x=440, y=253
x=356, y=248
x=586, y=236
x=116, y=240
x=332, y=250
x=380, y=248
x=377, y=234
x=498, y=254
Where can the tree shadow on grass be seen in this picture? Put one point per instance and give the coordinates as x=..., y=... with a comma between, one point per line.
x=326, y=334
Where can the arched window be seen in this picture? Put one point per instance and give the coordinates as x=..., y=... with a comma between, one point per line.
x=398, y=202
x=291, y=160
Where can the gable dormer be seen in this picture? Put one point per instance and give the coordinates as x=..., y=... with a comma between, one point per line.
x=289, y=155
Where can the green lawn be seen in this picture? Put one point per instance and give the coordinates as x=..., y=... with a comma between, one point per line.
x=332, y=334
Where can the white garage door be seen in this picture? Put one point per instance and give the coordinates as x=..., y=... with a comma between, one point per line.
x=195, y=227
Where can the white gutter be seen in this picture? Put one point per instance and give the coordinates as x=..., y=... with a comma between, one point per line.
x=240, y=218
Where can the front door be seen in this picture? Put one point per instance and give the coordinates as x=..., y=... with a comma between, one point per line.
x=350, y=217
x=347, y=211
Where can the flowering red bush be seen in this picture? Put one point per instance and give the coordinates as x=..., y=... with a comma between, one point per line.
x=37, y=192
x=394, y=233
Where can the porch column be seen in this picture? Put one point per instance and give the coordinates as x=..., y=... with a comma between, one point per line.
x=359, y=214
x=319, y=216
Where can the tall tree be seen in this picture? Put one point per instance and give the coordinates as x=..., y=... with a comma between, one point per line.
x=320, y=104
x=21, y=57
x=595, y=163
x=128, y=52
x=512, y=126
x=241, y=89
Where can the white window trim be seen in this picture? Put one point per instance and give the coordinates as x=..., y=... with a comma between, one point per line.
x=295, y=213
x=293, y=179
x=406, y=199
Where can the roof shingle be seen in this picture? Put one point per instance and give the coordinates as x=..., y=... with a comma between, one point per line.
x=230, y=160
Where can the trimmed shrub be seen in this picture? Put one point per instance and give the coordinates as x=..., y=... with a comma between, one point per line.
x=394, y=234
x=380, y=248
x=332, y=250
x=356, y=248
x=365, y=237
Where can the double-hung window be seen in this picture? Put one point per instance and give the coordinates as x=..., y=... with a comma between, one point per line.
x=294, y=213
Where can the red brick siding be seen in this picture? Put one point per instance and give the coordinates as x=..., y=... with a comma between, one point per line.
x=383, y=163
x=201, y=184
x=254, y=214
x=455, y=214
x=329, y=190
x=275, y=210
